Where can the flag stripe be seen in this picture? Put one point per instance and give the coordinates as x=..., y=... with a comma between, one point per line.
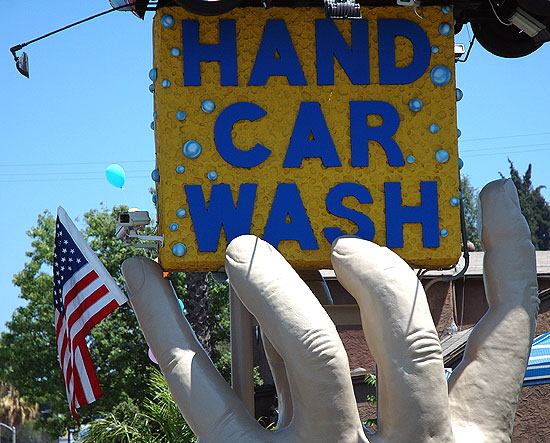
x=78, y=285
x=89, y=386
x=79, y=396
x=97, y=317
x=79, y=319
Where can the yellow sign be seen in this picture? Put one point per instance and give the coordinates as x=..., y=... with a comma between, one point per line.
x=299, y=129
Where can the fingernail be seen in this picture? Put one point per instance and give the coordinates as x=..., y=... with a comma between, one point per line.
x=512, y=192
x=132, y=270
x=242, y=249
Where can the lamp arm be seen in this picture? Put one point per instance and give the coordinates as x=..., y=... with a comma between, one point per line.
x=16, y=48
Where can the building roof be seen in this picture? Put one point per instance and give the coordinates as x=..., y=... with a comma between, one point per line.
x=453, y=345
x=475, y=268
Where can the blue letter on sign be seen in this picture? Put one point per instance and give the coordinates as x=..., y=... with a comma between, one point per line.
x=194, y=53
x=361, y=132
x=221, y=211
x=311, y=138
x=426, y=214
x=331, y=45
x=276, y=56
x=334, y=205
x=388, y=30
x=224, y=142
x=287, y=204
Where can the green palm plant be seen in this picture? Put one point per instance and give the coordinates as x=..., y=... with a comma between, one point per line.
x=13, y=409
x=161, y=411
x=370, y=379
x=157, y=421
x=126, y=424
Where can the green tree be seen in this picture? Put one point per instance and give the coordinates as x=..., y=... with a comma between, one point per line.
x=196, y=285
x=534, y=207
x=209, y=315
x=469, y=202
x=28, y=352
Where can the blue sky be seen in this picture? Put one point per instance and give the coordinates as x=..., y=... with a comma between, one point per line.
x=87, y=105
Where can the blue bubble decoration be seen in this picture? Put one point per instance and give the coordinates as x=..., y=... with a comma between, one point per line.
x=180, y=169
x=435, y=49
x=152, y=125
x=434, y=128
x=459, y=94
x=154, y=114
x=444, y=233
x=166, y=83
x=175, y=52
x=415, y=105
x=154, y=199
x=115, y=175
x=410, y=159
x=179, y=249
x=181, y=213
x=208, y=106
x=442, y=156
x=180, y=115
x=454, y=201
x=174, y=227
x=445, y=28
x=192, y=149
x=155, y=176
x=167, y=21
x=151, y=88
x=153, y=74
x=460, y=163
x=212, y=175
x=445, y=9
x=458, y=133
x=440, y=75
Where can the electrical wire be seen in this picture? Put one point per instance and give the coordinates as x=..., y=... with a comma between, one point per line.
x=71, y=173
x=505, y=153
x=496, y=15
x=504, y=147
x=28, y=180
x=73, y=164
x=504, y=136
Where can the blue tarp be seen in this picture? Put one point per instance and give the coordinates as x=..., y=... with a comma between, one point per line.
x=538, y=366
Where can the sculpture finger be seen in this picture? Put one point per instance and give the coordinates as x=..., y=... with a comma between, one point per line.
x=412, y=391
x=484, y=388
x=278, y=371
x=324, y=408
x=206, y=401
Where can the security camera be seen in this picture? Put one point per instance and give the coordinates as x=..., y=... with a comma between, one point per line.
x=121, y=232
x=128, y=225
x=135, y=219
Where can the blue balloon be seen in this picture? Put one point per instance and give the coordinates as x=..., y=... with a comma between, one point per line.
x=115, y=175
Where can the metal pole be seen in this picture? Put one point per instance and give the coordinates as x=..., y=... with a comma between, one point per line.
x=13, y=432
x=15, y=48
x=242, y=340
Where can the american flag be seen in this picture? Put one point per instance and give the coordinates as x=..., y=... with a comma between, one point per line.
x=84, y=293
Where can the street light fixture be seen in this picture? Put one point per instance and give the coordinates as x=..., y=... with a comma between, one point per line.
x=12, y=429
x=138, y=7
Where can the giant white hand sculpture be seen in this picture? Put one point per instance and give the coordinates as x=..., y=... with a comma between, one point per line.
x=308, y=361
